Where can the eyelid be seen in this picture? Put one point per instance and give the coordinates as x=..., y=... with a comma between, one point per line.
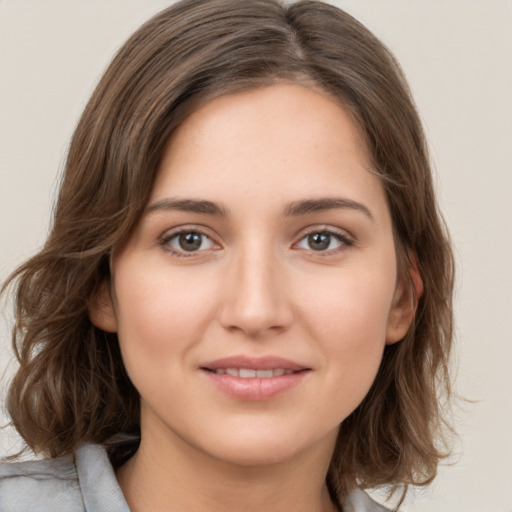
x=346, y=239
x=168, y=235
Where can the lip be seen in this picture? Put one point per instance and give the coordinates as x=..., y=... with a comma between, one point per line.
x=254, y=388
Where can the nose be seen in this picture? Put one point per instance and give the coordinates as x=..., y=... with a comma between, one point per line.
x=256, y=295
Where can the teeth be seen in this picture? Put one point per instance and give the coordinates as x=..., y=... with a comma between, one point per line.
x=249, y=373
x=264, y=373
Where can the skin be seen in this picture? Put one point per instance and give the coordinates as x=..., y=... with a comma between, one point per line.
x=258, y=287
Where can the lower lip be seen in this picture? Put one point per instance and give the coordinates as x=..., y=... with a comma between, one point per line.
x=255, y=388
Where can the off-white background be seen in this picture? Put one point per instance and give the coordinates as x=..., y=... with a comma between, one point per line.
x=457, y=55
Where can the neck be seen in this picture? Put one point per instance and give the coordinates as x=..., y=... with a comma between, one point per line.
x=167, y=474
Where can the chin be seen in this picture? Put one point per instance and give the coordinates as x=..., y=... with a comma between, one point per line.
x=268, y=447
x=259, y=454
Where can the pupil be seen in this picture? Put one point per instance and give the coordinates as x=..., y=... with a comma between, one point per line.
x=319, y=241
x=190, y=241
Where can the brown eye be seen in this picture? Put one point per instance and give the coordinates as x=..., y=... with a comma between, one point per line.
x=324, y=241
x=190, y=241
x=185, y=242
x=319, y=241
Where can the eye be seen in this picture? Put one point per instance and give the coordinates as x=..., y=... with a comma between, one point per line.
x=190, y=241
x=323, y=241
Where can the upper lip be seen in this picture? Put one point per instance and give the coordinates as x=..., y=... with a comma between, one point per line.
x=255, y=363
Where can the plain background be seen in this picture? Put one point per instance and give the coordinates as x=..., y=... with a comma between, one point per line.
x=457, y=55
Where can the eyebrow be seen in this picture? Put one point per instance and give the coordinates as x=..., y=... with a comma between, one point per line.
x=293, y=209
x=188, y=205
x=326, y=203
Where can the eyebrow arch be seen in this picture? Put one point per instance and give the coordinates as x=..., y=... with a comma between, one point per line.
x=188, y=205
x=293, y=209
x=326, y=203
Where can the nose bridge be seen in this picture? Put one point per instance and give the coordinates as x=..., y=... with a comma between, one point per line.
x=255, y=298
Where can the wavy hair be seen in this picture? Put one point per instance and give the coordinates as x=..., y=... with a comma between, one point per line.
x=71, y=386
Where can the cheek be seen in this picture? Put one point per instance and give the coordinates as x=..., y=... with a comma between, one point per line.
x=161, y=313
x=355, y=308
x=349, y=321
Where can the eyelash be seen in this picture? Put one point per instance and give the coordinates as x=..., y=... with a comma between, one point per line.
x=167, y=238
x=340, y=236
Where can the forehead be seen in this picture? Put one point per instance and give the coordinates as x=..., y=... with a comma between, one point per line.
x=307, y=105
x=274, y=143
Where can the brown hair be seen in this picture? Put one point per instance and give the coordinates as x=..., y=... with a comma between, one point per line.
x=71, y=386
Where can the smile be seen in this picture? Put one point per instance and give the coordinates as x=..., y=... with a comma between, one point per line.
x=251, y=373
x=248, y=378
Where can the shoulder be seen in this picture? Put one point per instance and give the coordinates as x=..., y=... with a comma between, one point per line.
x=359, y=501
x=98, y=483
x=74, y=483
x=40, y=486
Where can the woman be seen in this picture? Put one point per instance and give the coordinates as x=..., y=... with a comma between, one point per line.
x=245, y=298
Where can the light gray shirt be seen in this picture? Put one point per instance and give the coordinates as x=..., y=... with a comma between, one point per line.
x=85, y=482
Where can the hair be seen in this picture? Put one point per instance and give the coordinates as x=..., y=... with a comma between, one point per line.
x=71, y=386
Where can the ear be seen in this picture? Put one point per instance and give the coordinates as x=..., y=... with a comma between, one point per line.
x=405, y=302
x=101, y=309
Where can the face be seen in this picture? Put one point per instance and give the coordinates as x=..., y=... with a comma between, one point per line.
x=255, y=297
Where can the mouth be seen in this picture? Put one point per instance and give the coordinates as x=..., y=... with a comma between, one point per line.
x=251, y=373
x=246, y=378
